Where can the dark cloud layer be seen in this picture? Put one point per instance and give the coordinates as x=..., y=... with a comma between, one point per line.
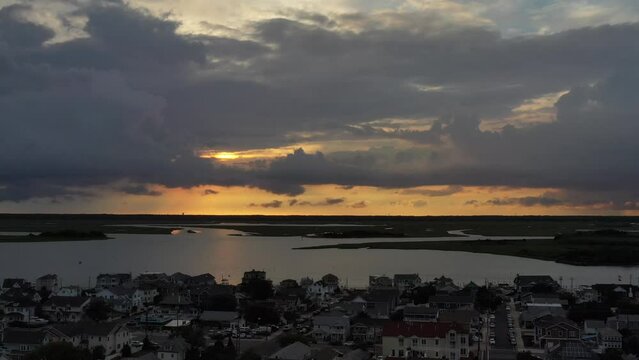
x=135, y=100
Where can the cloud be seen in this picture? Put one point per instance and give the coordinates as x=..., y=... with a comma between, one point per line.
x=139, y=190
x=449, y=190
x=526, y=201
x=419, y=203
x=274, y=204
x=359, y=205
x=210, y=192
x=325, y=202
x=96, y=110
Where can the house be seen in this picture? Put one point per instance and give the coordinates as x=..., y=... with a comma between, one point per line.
x=19, y=304
x=445, y=285
x=468, y=318
x=432, y=340
x=106, y=281
x=19, y=341
x=294, y=351
x=253, y=275
x=173, y=348
x=610, y=338
x=586, y=294
x=319, y=291
x=378, y=303
x=123, y=299
x=406, y=281
x=570, y=350
x=47, y=282
x=201, y=280
x=552, y=330
x=172, y=304
x=420, y=313
x=526, y=283
x=331, y=327
x=357, y=354
x=331, y=281
x=376, y=281
x=179, y=278
x=112, y=336
x=68, y=291
x=14, y=283
x=365, y=330
x=623, y=321
x=65, y=308
x=466, y=302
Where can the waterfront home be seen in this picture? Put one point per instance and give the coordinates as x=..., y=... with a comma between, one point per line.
x=173, y=348
x=65, y=308
x=610, y=338
x=112, y=336
x=586, y=294
x=319, y=292
x=331, y=327
x=420, y=313
x=431, y=340
x=406, y=281
x=294, y=351
x=552, y=330
x=376, y=281
x=527, y=283
x=47, y=282
x=106, y=281
x=378, y=303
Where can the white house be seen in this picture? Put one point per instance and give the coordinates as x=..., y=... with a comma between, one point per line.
x=331, y=327
x=172, y=349
x=112, y=336
x=432, y=340
x=319, y=291
x=610, y=338
x=65, y=308
x=48, y=282
x=125, y=299
x=68, y=291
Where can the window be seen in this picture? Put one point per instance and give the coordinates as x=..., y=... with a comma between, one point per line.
x=401, y=341
x=462, y=351
x=414, y=341
x=401, y=353
x=436, y=341
x=462, y=339
x=423, y=341
x=393, y=353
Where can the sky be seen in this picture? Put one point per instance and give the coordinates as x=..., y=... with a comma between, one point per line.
x=361, y=107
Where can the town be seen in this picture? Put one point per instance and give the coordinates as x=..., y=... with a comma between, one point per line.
x=183, y=317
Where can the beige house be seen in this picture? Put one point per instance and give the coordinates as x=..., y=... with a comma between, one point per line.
x=433, y=340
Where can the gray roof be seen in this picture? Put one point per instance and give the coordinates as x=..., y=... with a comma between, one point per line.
x=571, y=350
x=533, y=313
x=595, y=324
x=609, y=332
x=89, y=328
x=419, y=310
x=295, y=351
x=453, y=299
x=174, y=345
x=330, y=319
x=357, y=354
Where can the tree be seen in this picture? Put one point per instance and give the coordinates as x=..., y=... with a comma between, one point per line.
x=98, y=353
x=258, y=289
x=126, y=350
x=485, y=299
x=630, y=343
x=421, y=294
x=98, y=310
x=611, y=354
x=221, y=302
x=194, y=336
x=261, y=314
x=58, y=351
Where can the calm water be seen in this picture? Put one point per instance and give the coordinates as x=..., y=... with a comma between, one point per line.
x=214, y=251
